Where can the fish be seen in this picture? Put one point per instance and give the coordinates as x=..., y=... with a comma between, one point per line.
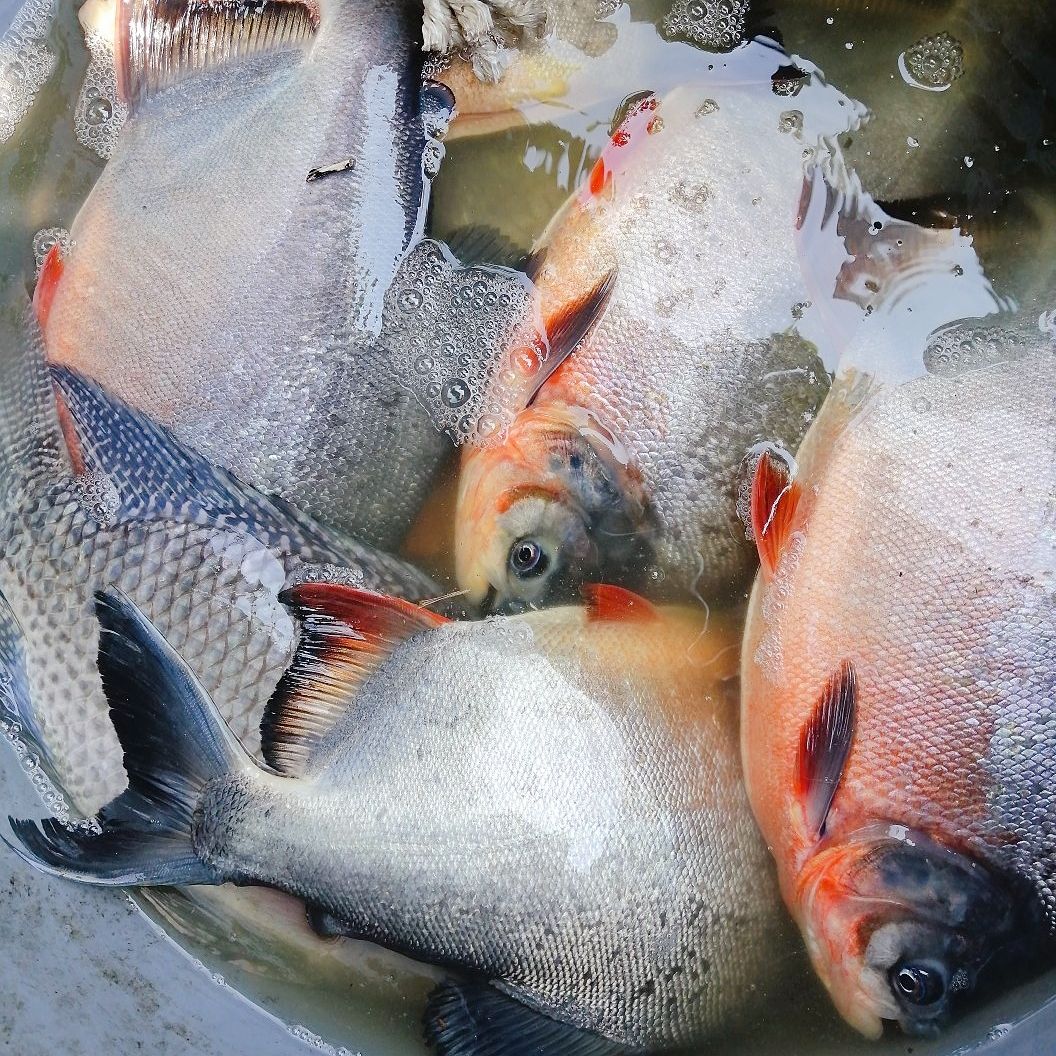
x=898, y=672
x=551, y=802
x=625, y=463
x=211, y=284
x=94, y=495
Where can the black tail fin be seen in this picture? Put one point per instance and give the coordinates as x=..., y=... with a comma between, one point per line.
x=175, y=742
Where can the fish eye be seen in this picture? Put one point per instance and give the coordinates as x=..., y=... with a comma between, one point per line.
x=918, y=984
x=528, y=559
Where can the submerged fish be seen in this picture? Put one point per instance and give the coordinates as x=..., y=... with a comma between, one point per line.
x=627, y=460
x=899, y=675
x=213, y=285
x=552, y=801
x=94, y=496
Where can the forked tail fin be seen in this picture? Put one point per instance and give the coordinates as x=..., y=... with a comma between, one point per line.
x=175, y=742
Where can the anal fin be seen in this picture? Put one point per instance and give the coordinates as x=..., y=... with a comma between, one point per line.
x=476, y=1019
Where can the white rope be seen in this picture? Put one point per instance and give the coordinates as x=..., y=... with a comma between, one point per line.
x=485, y=30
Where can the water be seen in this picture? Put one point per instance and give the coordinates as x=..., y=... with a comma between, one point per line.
x=961, y=133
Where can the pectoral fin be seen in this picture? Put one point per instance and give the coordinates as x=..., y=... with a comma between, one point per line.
x=476, y=1019
x=824, y=747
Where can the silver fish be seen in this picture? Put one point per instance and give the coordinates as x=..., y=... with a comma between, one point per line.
x=211, y=286
x=93, y=495
x=551, y=801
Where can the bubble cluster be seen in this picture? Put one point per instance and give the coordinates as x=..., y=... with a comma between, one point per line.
x=11, y=729
x=463, y=341
x=311, y=1038
x=45, y=240
x=100, y=113
x=933, y=63
x=328, y=573
x=716, y=25
x=963, y=347
x=98, y=496
x=25, y=63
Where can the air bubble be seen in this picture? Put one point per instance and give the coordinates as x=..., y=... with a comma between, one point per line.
x=455, y=392
x=709, y=106
x=432, y=158
x=791, y=121
x=912, y=142
x=410, y=300
x=969, y=161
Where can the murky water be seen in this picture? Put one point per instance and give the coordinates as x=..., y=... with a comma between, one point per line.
x=943, y=110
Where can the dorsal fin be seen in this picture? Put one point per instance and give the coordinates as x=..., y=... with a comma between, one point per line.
x=345, y=634
x=824, y=745
x=606, y=602
x=775, y=500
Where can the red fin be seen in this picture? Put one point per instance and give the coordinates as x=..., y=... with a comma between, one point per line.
x=345, y=634
x=606, y=602
x=47, y=284
x=824, y=745
x=640, y=121
x=775, y=500
x=69, y=434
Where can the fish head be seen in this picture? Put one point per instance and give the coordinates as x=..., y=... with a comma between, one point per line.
x=530, y=512
x=900, y=927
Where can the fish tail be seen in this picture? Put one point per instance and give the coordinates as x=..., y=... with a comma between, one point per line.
x=175, y=743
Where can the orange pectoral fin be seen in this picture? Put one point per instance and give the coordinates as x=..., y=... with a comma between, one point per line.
x=607, y=603
x=640, y=121
x=824, y=747
x=775, y=502
x=48, y=284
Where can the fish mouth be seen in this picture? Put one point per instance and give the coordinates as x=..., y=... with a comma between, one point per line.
x=487, y=604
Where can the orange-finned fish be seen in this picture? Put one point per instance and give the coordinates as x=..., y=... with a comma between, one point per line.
x=625, y=464
x=899, y=678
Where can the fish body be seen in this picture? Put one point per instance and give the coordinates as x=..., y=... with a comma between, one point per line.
x=702, y=351
x=899, y=673
x=93, y=495
x=264, y=290
x=552, y=802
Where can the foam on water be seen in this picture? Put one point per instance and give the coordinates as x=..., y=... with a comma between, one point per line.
x=26, y=62
x=100, y=112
